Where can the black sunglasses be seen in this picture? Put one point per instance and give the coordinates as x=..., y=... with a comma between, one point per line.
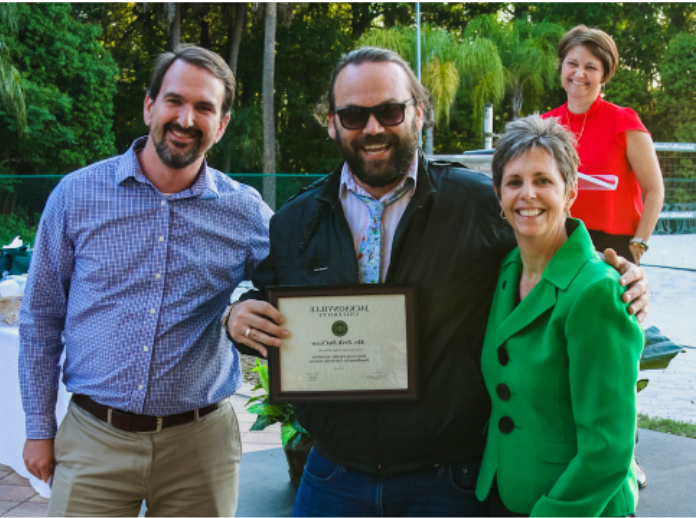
x=390, y=114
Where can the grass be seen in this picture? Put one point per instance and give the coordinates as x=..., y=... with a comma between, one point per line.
x=667, y=426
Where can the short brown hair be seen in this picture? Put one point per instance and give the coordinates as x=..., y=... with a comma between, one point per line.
x=598, y=42
x=529, y=132
x=199, y=57
x=379, y=55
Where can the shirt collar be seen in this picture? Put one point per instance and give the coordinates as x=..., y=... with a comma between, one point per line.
x=129, y=167
x=348, y=182
x=594, y=109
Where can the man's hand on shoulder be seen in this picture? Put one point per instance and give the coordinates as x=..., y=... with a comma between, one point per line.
x=256, y=324
x=39, y=458
x=633, y=277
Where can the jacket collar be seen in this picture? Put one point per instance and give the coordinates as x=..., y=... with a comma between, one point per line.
x=559, y=273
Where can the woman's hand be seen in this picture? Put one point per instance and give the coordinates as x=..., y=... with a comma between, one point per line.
x=637, y=252
x=633, y=277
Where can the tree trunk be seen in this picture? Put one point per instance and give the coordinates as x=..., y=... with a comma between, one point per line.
x=239, y=23
x=175, y=29
x=204, y=22
x=517, y=98
x=234, y=37
x=269, y=166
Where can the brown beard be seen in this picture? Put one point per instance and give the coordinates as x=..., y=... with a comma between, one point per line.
x=404, y=150
x=171, y=159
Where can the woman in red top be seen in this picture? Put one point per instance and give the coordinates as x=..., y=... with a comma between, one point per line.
x=611, y=140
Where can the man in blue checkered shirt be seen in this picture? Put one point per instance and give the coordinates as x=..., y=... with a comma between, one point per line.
x=135, y=261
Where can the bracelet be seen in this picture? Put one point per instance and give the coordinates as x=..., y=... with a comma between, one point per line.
x=640, y=243
x=226, y=314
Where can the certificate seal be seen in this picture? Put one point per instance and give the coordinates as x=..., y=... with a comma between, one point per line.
x=339, y=328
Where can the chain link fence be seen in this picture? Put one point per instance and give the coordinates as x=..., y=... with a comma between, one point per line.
x=22, y=198
x=678, y=164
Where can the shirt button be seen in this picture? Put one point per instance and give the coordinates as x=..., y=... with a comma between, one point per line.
x=161, y=238
x=152, y=311
x=146, y=348
x=157, y=276
x=163, y=203
x=140, y=387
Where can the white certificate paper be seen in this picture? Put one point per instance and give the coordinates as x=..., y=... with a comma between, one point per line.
x=344, y=343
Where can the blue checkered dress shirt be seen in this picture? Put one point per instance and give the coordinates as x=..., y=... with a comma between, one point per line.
x=137, y=282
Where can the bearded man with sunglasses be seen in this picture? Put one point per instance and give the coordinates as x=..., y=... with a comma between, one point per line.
x=440, y=230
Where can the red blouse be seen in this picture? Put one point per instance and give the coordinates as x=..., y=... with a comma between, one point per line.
x=601, y=134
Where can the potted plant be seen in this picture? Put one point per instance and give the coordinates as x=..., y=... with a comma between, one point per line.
x=297, y=442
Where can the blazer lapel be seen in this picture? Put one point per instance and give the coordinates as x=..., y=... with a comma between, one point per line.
x=558, y=275
x=542, y=298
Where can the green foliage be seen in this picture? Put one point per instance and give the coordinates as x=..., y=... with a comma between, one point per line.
x=10, y=89
x=669, y=426
x=18, y=223
x=527, y=53
x=68, y=80
x=291, y=432
x=676, y=101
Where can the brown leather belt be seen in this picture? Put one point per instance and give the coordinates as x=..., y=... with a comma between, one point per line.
x=130, y=422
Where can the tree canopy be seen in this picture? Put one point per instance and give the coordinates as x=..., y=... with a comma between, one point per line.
x=84, y=69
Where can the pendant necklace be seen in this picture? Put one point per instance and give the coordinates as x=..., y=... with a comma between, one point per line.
x=583, y=123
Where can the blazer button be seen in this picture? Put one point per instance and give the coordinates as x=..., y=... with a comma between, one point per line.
x=503, y=356
x=506, y=424
x=503, y=391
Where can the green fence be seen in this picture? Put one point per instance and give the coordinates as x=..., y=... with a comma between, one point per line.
x=22, y=198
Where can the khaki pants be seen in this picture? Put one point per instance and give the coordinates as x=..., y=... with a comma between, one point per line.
x=186, y=470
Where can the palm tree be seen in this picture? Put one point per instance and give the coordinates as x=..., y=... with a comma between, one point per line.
x=11, y=93
x=528, y=54
x=448, y=66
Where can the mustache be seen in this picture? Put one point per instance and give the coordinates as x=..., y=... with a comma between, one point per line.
x=186, y=131
x=373, y=140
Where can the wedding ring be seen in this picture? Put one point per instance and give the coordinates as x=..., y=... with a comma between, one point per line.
x=247, y=332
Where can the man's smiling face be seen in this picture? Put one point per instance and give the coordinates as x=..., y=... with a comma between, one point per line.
x=378, y=156
x=185, y=119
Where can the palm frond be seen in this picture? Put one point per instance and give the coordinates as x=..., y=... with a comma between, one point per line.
x=399, y=39
x=442, y=79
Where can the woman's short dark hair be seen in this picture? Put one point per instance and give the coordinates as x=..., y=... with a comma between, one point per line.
x=199, y=57
x=529, y=132
x=379, y=55
x=598, y=42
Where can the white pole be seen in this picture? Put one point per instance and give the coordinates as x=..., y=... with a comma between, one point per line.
x=418, y=57
x=488, y=127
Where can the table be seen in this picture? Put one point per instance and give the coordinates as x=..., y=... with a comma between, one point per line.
x=12, y=434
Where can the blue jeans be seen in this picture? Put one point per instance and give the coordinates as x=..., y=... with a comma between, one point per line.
x=328, y=489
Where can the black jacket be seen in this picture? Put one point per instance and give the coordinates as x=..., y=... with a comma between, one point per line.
x=449, y=243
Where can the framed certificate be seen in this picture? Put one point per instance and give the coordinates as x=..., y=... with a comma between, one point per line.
x=346, y=343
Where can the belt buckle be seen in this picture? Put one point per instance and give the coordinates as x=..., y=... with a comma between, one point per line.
x=159, y=426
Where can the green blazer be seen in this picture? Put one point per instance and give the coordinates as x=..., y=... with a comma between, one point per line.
x=561, y=369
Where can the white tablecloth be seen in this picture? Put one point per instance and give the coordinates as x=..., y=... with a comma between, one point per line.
x=12, y=435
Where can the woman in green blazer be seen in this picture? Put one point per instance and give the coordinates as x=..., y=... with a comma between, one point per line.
x=560, y=357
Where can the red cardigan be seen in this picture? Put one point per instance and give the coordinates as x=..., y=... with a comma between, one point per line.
x=602, y=151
